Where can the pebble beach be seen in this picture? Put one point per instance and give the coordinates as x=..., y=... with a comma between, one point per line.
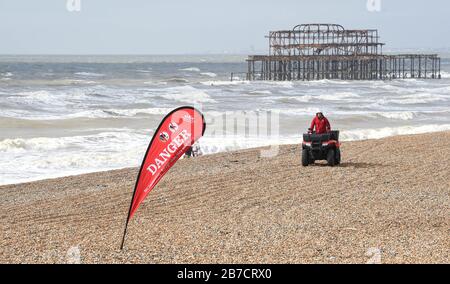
x=388, y=202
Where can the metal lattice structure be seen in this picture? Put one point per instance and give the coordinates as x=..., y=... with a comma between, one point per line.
x=329, y=51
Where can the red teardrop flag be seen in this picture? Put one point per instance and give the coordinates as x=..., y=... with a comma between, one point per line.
x=177, y=132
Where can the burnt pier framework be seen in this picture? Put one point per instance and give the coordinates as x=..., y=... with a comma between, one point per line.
x=328, y=51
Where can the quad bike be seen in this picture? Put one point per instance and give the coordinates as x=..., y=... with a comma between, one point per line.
x=324, y=146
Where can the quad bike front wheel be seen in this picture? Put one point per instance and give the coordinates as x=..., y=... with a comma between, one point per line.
x=305, y=157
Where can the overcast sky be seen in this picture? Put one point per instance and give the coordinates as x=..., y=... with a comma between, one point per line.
x=205, y=26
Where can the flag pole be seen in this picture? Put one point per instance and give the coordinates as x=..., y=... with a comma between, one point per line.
x=132, y=199
x=124, y=235
x=128, y=219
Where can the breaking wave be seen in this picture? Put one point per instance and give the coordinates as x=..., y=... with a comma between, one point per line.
x=209, y=74
x=445, y=75
x=260, y=92
x=177, y=80
x=6, y=74
x=96, y=99
x=224, y=83
x=377, y=133
x=187, y=94
x=149, y=70
x=89, y=74
x=43, y=157
x=96, y=113
x=190, y=69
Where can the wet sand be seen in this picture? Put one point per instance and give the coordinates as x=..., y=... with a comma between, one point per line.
x=388, y=202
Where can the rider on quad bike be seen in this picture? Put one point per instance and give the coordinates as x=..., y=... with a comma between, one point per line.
x=320, y=143
x=320, y=123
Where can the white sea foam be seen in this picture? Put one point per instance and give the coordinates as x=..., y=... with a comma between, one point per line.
x=89, y=74
x=301, y=111
x=393, y=115
x=209, y=74
x=216, y=144
x=409, y=99
x=178, y=80
x=402, y=115
x=211, y=145
x=445, y=75
x=149, y=70
x=190, y=69
x=311, y=111
x=44, y=157
x=137, y=111
x=187, y=94
x=152, y=83
x=224, y=83
x=37, y=97
x=94, y=113
x=337, y=96
x=328, y=82
x=81, y=82
x=283, y=84
x=377, y=133
x=39, y=144
x=291, y=99
x=306, y=111
x=305, y=98
x=260, y=92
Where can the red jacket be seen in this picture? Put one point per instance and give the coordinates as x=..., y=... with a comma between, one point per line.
x=321, y=125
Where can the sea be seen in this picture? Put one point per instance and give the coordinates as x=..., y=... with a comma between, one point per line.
x=66, y=115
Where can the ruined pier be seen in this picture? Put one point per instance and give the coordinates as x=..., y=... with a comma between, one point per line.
x=328, y=51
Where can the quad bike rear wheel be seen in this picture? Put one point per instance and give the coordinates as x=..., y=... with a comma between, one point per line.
x=331, y=158
x=338, y=156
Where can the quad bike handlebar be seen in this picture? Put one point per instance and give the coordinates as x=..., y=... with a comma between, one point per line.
x=331, y=134
x=310, y=131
